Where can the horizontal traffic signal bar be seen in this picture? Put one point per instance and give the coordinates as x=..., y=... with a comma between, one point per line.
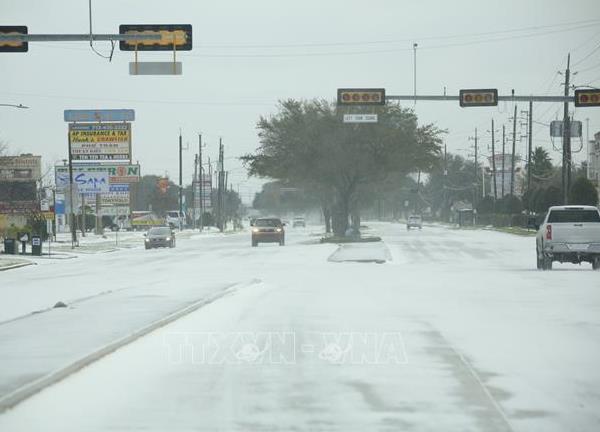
x=362, y=96
x=14, y=45
x=172, y=36
x=478, y=97
x=587, y=98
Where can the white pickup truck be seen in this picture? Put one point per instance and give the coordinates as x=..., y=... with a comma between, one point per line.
x=569, y=234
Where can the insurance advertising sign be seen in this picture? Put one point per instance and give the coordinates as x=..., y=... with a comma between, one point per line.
x=100, y=141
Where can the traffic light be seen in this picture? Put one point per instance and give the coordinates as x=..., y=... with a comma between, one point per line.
x=13, y=46
x=173, y=36
x=374, y=96
x=587, y=98
x=478, y=97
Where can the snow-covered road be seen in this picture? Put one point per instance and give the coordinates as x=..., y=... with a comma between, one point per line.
x=458, y=332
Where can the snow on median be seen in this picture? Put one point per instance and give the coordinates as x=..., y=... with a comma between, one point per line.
x=362, y=252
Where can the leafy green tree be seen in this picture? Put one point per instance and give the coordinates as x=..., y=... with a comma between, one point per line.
x=541, y=164
x=583, y=192
x=306, y=143
x=145, y=195
x=450, y=180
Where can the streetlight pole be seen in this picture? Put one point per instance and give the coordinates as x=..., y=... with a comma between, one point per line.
x=415, y=70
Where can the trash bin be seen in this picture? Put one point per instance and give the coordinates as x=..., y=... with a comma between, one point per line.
x=36, y=245
x=10, y=246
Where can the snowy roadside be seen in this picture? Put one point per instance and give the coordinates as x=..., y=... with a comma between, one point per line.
x=41, y=349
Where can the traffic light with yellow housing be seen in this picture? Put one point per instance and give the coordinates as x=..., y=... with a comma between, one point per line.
x=349, y=96
x=478, y=97
x=173, y=37
x=587, y=98
x=16, y=46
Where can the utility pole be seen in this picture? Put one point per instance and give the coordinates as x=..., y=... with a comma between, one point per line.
x=512, y=160
x=494, y=162
x=503, y=155
x=194, y=188
x=476, y=183
x=566, y=159
x=476, y=173
x=180, y=180
x=201, y=178
x=529, y=151
x=220, y=183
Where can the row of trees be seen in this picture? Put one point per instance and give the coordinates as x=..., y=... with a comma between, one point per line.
x=146, y=195
x=345, y=167
x=454, y=179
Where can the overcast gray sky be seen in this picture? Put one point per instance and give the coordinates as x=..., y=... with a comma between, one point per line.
x=249, y=54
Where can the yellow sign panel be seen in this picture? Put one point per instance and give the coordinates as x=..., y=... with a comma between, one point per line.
x=113, y=136
x=100, y=141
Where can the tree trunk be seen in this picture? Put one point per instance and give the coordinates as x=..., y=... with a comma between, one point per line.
x=327, y=216
x=339, y=217
x=355, y=218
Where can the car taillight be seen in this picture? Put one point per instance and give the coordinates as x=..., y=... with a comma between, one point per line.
x=548, y=232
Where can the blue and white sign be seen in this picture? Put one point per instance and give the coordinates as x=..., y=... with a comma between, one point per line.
x=87, y=182
x=106, y=115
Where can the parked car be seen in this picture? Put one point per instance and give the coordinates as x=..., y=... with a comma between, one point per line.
x=160, y=237
x=414, y=221
x=569, y=234
x=299, y=222
x=268, y=230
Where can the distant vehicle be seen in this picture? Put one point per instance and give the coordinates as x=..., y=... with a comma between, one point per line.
x=175, y=219
x=160, y=237
x=569, y=234
x=268, y=230
x=414, y=221
x=145, y=220
x=299, y=222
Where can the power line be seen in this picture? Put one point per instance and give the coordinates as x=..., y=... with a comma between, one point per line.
x=596, y=48
x=588, y=24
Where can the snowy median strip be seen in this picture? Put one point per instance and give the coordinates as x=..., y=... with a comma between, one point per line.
x=362, y=252
x=19, y=378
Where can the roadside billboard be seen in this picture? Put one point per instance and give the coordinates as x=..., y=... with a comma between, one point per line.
x=100, y=141
x=123, y=173
x=206, y=192
x=22, y=168
x=88, y=180
x=117, y=173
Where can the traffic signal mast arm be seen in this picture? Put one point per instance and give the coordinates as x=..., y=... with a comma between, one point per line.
x=77, y=37
x=500, y=98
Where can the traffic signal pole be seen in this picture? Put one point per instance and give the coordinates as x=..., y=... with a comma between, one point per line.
x=566, y=153
x=180, y=180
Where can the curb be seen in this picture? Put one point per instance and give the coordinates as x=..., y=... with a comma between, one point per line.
x=16, y=266
x=12, y=399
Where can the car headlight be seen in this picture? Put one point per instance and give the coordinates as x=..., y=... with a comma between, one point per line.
x=168, y=238
x=278, y=230
x=147, y=240
x=255, y=230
